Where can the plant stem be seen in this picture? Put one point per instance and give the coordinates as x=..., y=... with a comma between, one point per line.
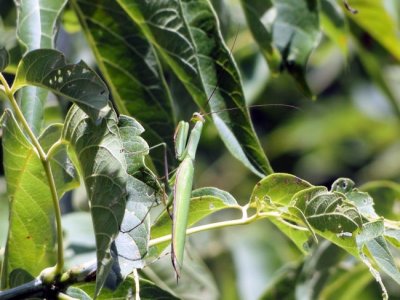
x=241, y=221
x=47, y=167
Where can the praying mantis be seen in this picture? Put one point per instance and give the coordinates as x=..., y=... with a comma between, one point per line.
x=185, y=151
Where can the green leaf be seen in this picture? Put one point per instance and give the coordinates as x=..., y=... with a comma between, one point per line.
x=99, y=151
x=148, y=291
x=36, y=24
x=334, y=24
x=4, y=59
x=130, y=66
x=363, y=201
x=131, y=244
x=296, y=33
x=36, y=28
x=299, y=202
x=376, y=21
x=330, y=211
x=260, y=25
x=31, y=214
x=204, y=201
x=371, y=237
x=276, y=189
x=386, y=195
x=187, y=36
x=77, y=82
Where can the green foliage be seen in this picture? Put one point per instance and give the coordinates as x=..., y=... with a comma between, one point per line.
x=160, y=60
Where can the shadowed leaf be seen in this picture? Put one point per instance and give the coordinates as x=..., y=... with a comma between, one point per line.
x=99, y=151
x=136, y=81
x=187, y=36
x=48, y=69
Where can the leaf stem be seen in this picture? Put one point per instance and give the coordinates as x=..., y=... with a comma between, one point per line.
x=46, y=165
x=222, y=224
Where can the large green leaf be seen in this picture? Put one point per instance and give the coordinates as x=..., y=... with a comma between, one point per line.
x=186, y=34
x=36, y=28
x=260, y=25
x=99, y=151
x=4, y=59
x=374, y=19
x=296, y=33
x=131, y=244
x=77, y=82
x=130, y=66
x=31, y=209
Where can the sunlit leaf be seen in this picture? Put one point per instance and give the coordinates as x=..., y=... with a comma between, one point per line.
x=186, y=34
x=31, y=216
x=376, y=21
x=277, y=189
x=296, y=33
x=36, y=28
x=130, y=66
x=77, y=82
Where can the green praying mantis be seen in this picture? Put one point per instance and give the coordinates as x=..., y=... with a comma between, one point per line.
x=185, y=151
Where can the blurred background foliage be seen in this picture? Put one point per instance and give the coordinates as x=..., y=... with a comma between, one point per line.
x=350, y=130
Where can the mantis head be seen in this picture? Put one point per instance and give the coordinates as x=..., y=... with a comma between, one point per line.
x=197, y=117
